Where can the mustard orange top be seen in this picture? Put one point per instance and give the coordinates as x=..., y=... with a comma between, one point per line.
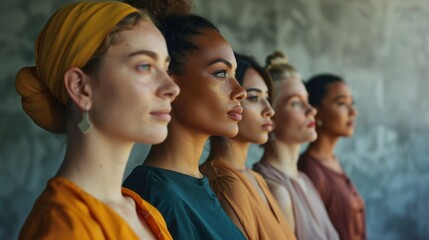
x=258, y=220
x=65, y=211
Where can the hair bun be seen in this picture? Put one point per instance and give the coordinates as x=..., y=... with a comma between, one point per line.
x=163, y=8
x=276, y=58
x=39, y=103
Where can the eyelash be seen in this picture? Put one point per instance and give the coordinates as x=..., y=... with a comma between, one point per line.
x=146, y=66
x=224, y=72
x=253, y=98
x=345, y=103
x=299, y=104
x=257, y=98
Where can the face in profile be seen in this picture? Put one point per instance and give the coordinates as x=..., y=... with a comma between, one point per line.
x=210, y=97
x=337, y=111
x=132, y=92
x=256, y=122
x=295, y=117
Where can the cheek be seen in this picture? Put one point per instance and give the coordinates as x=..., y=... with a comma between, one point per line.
x=337, y=116
x=290, y=123
x=249, y=121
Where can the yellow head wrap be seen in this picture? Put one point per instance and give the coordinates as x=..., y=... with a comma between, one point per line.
x=69, y=39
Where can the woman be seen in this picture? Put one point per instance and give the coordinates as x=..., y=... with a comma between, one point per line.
x=99, y=78
x=242, y=192
x=203, y=65
x=294, y=125
x=335, y=118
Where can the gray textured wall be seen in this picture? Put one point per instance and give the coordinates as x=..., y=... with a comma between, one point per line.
x=380, y=46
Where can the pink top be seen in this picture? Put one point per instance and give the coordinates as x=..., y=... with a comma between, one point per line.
x=311, y=219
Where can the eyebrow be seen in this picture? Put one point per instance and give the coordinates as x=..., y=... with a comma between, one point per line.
x=147, y=53
x=254, y=90
x=292, y=96
x=217, y=60
x=341, y=97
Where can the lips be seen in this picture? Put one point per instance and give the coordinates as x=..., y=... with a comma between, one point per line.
x=351, y=123
x=162, y=114
x=236, y=114
x=268, y=126
x=311, y=124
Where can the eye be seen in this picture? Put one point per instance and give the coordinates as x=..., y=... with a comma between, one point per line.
x=143, y=67
x=253, y=98
x=298, y=104
x=220, y=74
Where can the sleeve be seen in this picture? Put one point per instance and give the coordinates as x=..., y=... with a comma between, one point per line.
x=158, y=220
x=233, y=197
x=319, y=182
x=57, y=223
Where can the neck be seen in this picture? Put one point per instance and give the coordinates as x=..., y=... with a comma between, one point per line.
x=180, y=152
x=96, y=164
x=235, y=154
x=284, y=157
x=323, y=147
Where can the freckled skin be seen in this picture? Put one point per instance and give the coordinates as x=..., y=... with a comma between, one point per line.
x=206, y=97
x=125, y=94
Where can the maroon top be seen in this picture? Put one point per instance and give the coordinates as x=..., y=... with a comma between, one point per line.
x=345, y=206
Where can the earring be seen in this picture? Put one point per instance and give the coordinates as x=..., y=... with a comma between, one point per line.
x=85, y=124
x=319, y=123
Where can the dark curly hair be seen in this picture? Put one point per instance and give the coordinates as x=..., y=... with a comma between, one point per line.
x=178, y=25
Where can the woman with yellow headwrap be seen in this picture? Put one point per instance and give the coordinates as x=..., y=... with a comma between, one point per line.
x=100, y=78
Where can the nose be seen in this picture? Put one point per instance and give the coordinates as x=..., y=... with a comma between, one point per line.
x=238, y=92
x=268, y=110
x=311, y=110
x=353, y=111
x=168, y=89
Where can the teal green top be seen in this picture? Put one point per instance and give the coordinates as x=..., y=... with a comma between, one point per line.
x=188, y=205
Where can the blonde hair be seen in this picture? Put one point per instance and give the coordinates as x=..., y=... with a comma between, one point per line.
x=277, y=65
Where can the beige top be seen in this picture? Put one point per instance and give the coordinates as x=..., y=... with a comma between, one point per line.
x=311, y=218
x=258, y=220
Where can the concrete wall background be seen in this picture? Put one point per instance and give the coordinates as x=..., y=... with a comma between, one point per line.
x=381, y=47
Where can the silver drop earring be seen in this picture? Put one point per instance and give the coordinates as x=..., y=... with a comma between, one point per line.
x=85, y=124
x=319, y=123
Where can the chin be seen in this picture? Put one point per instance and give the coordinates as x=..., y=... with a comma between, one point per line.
x=261, y=140
x=311, y=138
x=227, y=132
x=349, y=134
x=155, y=137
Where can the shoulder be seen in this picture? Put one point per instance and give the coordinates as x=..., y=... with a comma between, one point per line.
x=311, y=168
x=54, y=221
x=222, y=178
x=230, y=186
x=277, y=189
x=146, y=181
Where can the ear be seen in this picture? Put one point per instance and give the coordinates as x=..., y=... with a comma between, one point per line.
x=77, y=84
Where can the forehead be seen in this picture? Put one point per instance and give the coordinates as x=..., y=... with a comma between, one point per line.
x=337, y=89
x=143, y=36
x=252, y=79
x=292, y=86
x=211, y=45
